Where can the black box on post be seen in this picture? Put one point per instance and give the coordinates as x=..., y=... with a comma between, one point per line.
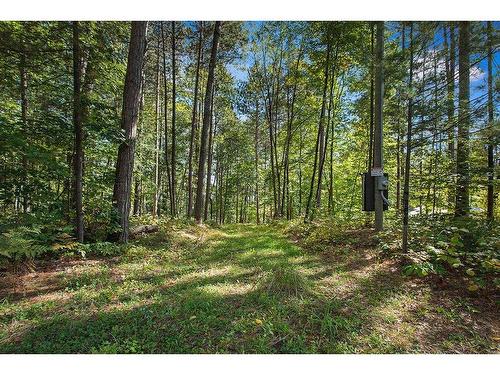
x=369, y=185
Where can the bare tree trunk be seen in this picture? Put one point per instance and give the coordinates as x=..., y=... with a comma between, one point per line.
x=257, y=160
x=165, y=114
x=324, y=143
x=193, y=126
x=462, y=188
x=206, y=124
x=157, y=136
x=372, y=88
x=286, y=157
x=308, y=214
x=24, y=119
x=450, y=78
x=378, y=159
x=174, y=132
x=77, y=121
x=131, y=99
x=491, y=170
x=406, y=186
x=211, y=136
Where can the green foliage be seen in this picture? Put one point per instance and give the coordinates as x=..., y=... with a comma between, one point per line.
x=21, y=244
x=469, y=246
x=105, y=249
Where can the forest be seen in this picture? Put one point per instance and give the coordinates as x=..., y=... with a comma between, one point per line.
x=249, y=187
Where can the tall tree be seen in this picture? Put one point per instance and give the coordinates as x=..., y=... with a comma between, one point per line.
x=491, y=195
x=23, y=81
x=321, y=129
x=174, y=131
x=194, y=124
x=130, y=109
x=77, y=123
x=198, y=208
x=450, y=104
x=256, y=148
x=156, y=198
x=406, y=183
x=463, y=168
x=378, y=130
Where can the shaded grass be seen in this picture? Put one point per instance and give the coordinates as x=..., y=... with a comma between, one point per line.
x=239, y=288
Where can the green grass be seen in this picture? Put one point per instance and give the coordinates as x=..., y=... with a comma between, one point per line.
x=236, y=289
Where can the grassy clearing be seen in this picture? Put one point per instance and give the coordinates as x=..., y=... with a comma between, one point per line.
x=243, y=289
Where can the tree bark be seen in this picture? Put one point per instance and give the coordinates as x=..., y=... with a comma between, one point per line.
x=157, y=135
x=174, y=132
x=406, y=184
x=193, y=127
x=450, y=78
x=23, y=73
x=77, y=123
x=308, y=214
x=462, y=188
x=165, y=114
x=491, y=170
x=131, y=99
x=257, y=160
x=212, y=131
x=206, y=124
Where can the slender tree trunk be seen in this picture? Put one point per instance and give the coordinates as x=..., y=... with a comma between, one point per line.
x=378, y=160
x=193, y=126
x=78, y=126
x=131, y=99
x=406, y=186
x=137, y=197
x=174, y=132
x=257, y=217
x=491, y=170
x=301, y=145
x=206, y=124
x=157, y=136
x=24, y=119
x=165, y=114
x=372, y=88
x=324, y=143
x=450, y=78
x=309, y=215
x=462, y=188
x=212, y=131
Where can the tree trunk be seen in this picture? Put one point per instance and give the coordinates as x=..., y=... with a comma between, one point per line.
x=406, y=184
x=174, y=132
x=491, y=171
x=450, y=78
x=193, y=127
x=165, y=114
x=257, y=160
x=308, y=214
x=462, y=188
x=24, y=119
x=211, y=136
x=77, y=122
x=131, y=99
x=372, y=88
x=378, y=160
x=157, y=135
x=206, y=124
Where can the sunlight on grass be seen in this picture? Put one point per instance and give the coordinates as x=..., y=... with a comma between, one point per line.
x=239, y=288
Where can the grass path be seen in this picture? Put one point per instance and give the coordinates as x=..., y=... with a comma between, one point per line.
x=240, y=288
